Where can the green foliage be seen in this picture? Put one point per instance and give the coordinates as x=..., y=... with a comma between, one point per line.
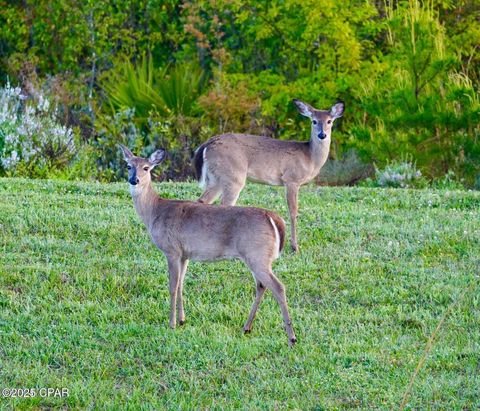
x=232, y=106
x=448, y=182
x=120, y=128
x=132, y=87
x=84, y=304
x=151, y=108
x=85, y=37
x=416, y=103
x=179, y=135
x=146, y=89
x=180, y=87
x=408, y=71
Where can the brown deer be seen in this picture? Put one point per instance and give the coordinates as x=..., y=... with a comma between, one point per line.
x=185, y=230
x=225, y=162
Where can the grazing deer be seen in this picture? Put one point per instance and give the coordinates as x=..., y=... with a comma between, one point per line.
x=226, y=161
x=185, y=230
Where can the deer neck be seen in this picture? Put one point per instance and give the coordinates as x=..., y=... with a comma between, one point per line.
x=145, y=200
x=319, y=150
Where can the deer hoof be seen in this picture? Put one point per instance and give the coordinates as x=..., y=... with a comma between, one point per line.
x=295, y=248
x=292, y=342
x=247, y=330
x=181, y=322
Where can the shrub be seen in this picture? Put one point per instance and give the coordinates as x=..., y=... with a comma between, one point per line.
x=230, y=106
x=401, y=174
x=179, y=135
x=448, y=182
x=32, y=141
x=347, y=170
x=111, y=130
x=131, y=86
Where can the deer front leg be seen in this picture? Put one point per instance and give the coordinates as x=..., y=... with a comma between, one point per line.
x=174, y=270
x=292, y=201
x=181, y=313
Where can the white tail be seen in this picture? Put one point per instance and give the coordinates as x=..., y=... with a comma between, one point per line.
x=203, y=178
x=186, y=230
x=277, y=238
x=225, y=162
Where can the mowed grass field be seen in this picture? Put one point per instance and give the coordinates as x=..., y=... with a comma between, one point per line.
x=84, y=304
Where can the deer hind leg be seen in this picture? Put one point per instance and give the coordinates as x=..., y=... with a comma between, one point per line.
x=258, y=298
x=231, y=191
x=210, y=194
x=292, y=201
x=265, y=276
x=180, y=312
x=174, y=269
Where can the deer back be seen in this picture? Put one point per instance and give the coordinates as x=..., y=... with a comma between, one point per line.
x=204, y=232
x=262, y=159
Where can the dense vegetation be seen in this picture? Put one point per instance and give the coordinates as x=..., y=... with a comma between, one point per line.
x=172, y=73
x=84, y=304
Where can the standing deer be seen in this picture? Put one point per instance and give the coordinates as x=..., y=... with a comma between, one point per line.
x=225, y=162
x=185, y=230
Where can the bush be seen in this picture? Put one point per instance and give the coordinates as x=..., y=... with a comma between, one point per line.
x=179, y=135
x=448, y=182
x=230, y=106
x=348, y=170
x=32, y=140
x=400, y=174
x=112, y=130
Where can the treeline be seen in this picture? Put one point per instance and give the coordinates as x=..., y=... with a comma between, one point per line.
x=169, y=73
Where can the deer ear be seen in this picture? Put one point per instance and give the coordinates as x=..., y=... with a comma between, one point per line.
x=337, y=110
x=157, y=157
x=126, y=152
x=304, y=108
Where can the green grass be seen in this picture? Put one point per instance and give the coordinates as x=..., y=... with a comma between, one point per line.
x=84, y=304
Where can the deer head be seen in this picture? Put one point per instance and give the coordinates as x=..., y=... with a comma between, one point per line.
x=322, y=120
x=139, y=168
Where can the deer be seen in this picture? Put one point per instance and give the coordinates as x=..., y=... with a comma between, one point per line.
x=186, y=230
x=225, y=162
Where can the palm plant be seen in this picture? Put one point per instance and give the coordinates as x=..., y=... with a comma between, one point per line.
x=133, y=87
x=180, y=88
x=170, y=90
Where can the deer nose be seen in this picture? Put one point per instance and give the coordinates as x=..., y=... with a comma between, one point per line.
x=133, y=181
x=321, y=135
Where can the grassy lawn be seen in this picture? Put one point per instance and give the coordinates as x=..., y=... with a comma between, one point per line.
x=84, y=304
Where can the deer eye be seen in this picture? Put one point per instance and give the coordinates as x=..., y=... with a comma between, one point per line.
x=129, y=167
x=315, y=122
x=146, y=168
x=329, y=122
